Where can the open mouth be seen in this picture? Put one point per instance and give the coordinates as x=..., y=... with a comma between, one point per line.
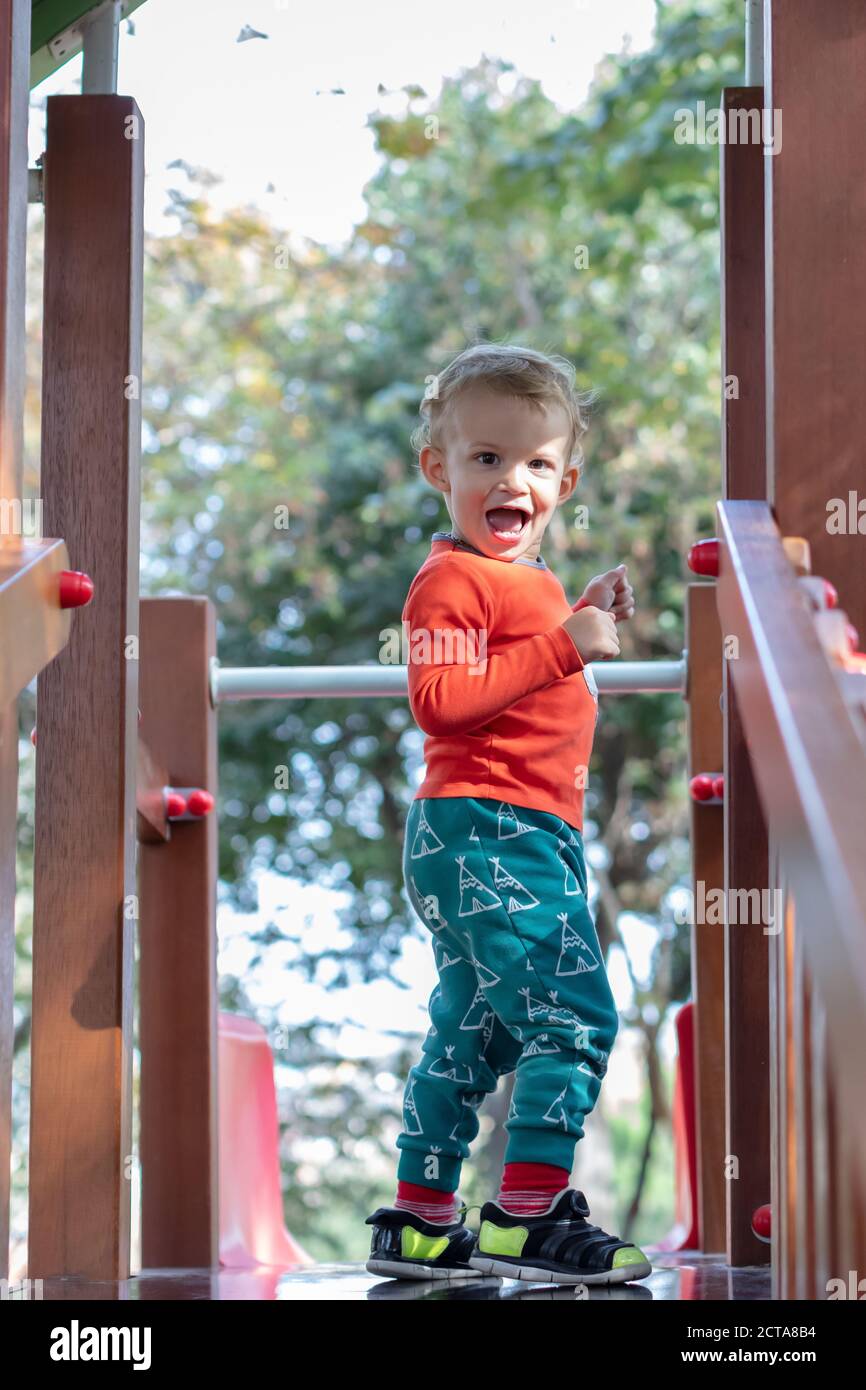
x=507, y=523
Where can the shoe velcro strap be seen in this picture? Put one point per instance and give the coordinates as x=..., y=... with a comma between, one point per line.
x=582, y=1248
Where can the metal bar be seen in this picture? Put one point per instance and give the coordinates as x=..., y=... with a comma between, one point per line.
x=754, y=43
x=99, y=67
x=318, y=682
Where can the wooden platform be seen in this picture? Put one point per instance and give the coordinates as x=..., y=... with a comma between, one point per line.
x=678, y=1277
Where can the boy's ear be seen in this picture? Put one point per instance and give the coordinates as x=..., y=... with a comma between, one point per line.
x=570, y=479
x=432, y=464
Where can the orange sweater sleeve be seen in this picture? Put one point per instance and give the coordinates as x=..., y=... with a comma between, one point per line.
x=455, y=684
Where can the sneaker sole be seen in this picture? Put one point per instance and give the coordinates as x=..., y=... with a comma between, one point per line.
x=551, y=1275
x=408, y=1269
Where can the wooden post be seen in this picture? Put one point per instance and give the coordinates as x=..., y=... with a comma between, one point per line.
x=703, y=642
x=84, y=868
x=177, y=967
x=14, y=98
x=744, y=476
x=816, y=281
x=816, y=417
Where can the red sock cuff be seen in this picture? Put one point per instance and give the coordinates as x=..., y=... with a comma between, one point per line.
x=541, y=1177
x=417, y=1192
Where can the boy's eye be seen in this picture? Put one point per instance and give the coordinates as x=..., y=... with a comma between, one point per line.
x=486, y=455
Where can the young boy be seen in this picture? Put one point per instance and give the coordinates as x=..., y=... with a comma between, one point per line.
x=493, y=857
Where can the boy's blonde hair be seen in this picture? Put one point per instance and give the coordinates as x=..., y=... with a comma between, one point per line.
x=542, y=378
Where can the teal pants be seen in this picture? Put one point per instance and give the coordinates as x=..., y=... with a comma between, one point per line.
x=522, y=985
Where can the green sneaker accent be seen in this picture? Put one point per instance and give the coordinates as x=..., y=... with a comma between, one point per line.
x=416, y=1246
x=501, y=1240
x=631, y=1255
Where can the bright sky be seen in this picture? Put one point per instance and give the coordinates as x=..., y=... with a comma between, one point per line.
x=249, y=111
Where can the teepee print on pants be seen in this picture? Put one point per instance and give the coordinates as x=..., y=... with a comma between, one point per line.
x=426, y=841
x=429, y=907
x=503, y=879
x=411, y=1119
x=502, y=891
x=570, y=884
x=542, y=1044
x=445, y=958
x=509, y=823
x=575, y=957
x=447, y=1067
x=474, y=895
x=479, y=1012
x=486, y=977
x=556, y=1113
x=551, y=1012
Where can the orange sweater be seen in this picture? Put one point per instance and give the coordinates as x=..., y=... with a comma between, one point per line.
x=513, y=720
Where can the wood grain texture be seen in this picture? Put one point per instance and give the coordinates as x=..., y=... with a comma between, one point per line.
x=178, y=948
x=744, y=475
x=152, y=777
x=33, y=626
x=87, y=699
x=704, y=721
x=809, y=761
x=14, y=97
x=744, y=462
x=747, y=1011
x=816, y=280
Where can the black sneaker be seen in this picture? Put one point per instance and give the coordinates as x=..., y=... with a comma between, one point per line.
x=405, y=1246
x=557, y=1246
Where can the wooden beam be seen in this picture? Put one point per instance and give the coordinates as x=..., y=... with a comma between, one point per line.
x=152, y=777
x=14, y=99
x=177, y=966
x=744, y=457
x=34, y=626
x=810, y=770
x=14, y=108
x=747, y=993
x=744, y=475
x=816, y=280
x=704, y=721
x=87, y=699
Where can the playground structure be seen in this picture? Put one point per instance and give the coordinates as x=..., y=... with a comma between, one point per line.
x=771, y=1107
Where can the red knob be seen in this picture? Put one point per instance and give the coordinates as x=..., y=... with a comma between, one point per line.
x=33, y=735
x=703, y=558
x=76, y=589
x=701, y=787
x=719, y=787
x=762, y=1222
x=830, y=596
x=175, y=805
x=199, y=803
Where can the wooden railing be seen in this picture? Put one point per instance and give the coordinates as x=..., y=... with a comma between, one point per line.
x=794, y=970
x=33, y=626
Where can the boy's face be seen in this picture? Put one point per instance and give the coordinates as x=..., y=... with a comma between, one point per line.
x=501, y=451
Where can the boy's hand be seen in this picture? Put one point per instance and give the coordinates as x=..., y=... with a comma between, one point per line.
x=593, y=633
x=611, y=592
